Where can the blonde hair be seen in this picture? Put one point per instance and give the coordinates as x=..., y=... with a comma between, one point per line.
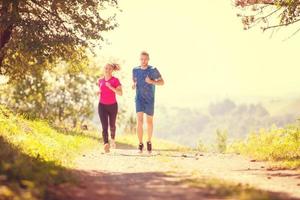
x=145, y=53
x=115, y=66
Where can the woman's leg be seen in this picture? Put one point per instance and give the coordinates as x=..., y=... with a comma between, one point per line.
x=113, y=111
x=103, y=115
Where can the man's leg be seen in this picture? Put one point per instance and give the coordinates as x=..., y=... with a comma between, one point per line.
x=139, y=128
x=149, y=110
x=149, y=127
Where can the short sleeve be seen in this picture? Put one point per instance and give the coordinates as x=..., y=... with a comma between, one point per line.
x=117, y=83
x=155, y=74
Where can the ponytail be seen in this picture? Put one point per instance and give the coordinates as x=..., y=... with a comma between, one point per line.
x=115, y=66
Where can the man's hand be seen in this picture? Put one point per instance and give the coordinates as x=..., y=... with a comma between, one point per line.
x=148, y=80
x=134, y=85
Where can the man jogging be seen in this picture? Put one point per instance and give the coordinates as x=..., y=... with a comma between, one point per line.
x=145, y=77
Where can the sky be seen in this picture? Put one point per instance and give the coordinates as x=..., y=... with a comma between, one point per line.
x=203, y=52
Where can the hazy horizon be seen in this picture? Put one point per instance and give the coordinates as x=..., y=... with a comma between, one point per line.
x=203, y=52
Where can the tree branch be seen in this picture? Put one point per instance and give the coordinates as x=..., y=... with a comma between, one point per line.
x=280, y=25
x=244, y=3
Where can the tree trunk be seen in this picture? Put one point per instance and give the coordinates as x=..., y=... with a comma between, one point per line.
x=5, y=35
x=74, y=122
x=9, y=15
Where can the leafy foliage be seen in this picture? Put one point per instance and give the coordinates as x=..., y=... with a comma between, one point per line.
x=65, y=93
x=36, y=32
x=272, y=13
x=201, y=146
x=276, y=144
x=221, y=140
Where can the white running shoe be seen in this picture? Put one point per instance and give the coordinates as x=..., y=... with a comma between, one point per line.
x=106, y=148
x=112, y=144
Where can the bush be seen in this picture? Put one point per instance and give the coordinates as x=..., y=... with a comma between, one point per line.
x=276, y=144
x=221, y=139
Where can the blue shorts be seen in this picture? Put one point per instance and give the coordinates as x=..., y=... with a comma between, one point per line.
x=145, y=106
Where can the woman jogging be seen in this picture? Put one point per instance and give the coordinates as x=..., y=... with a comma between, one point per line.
x=109, y=86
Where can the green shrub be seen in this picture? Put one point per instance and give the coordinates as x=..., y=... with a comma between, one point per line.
x=221, y=140
x=276, y=144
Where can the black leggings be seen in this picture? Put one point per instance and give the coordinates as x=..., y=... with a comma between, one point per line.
x=108, y=114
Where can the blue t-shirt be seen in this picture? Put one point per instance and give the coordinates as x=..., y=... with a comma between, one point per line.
x=145, y=91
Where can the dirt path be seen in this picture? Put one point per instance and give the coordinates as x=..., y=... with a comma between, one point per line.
x=124, y=174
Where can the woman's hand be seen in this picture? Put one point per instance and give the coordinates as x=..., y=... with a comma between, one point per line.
x=107, y=84
x=117, y=90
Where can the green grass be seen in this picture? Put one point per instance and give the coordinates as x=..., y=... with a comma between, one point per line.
x=34, y=155
x=280, y=146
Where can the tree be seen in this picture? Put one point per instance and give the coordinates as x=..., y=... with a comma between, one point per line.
x=70, y=95
x=272, y=13
x=221, y=139
x=221, y=108
x=63, y=94
x=39, y=31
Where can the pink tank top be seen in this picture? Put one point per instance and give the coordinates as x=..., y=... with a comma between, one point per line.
x=107, y=96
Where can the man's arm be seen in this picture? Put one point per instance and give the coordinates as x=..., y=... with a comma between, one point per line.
x=134, y=80
x=133, y=84
x=155, y=78
x=159, y=81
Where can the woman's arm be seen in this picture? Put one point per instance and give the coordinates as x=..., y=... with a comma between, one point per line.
x=99, y=89
x=118, y=90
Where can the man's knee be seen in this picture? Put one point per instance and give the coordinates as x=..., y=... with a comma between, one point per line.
x=149, y=120
x=140, y=119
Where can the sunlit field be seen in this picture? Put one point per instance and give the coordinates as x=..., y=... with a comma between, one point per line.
x=149, y=99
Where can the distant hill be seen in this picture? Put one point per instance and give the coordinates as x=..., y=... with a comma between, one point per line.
x=283, y=106
x=187, y=126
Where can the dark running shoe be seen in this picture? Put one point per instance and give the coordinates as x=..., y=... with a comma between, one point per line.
x=141, y=147
x=149, y=147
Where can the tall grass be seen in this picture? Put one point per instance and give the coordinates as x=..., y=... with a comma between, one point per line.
x=281, y=145
x=34, y=155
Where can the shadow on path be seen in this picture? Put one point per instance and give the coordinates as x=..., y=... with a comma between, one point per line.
x=152, y=185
